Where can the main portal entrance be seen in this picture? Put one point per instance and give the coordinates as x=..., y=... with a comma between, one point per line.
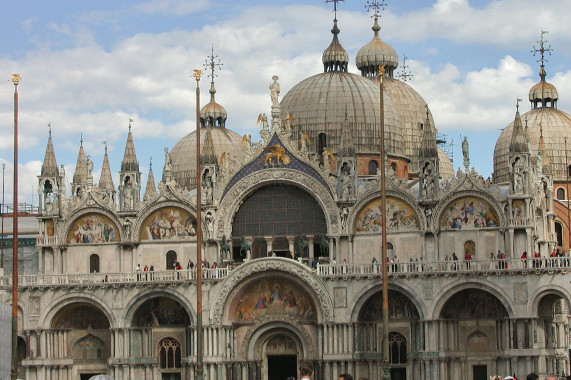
x=281, y=356
x=281, y=367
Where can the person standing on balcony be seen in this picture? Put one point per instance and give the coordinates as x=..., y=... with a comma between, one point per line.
x=138, y=270
x=454, y=258
x=468, y=257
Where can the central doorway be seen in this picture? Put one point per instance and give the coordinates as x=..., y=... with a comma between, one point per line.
x=280, y=367
x=480, y=372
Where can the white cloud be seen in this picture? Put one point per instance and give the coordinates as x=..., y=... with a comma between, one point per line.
x=173, y=7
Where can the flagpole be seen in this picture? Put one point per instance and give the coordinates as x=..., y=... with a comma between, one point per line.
x=199, y=374
x=14, y=369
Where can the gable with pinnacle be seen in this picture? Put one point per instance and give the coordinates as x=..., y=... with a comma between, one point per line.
x=468, y=209
x=276, y=155
x=184, y=206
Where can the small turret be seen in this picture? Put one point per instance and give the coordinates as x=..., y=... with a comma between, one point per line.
x=150, y=190
x=83, y=170
x=429, y=173
x=129, y=177
x=49, y=182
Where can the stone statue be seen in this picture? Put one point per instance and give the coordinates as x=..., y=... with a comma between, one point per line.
x=518, y=176
x=127, y=227
x=465, y=152
x=343, y=216
x=428, y=181
x=62, y=172
x=128, y=197
x=49, y=206
x=346, y=185
x=275, y=91
x=207, y=186
x=168, y=161
x=89, y=167
x=209, y=218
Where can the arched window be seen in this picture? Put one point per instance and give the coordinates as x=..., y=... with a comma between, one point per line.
x=321, y=142
x=390, y=250
x=394, y=166
x=561, y=193
x=373, y=166
x=569, y=170
x=559, y=233
x=94, y=263
x=169, y=354
x=171, y=259
x=397, y=348
x=48, y=188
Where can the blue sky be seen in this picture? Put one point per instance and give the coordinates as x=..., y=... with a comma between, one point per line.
x=87, y=66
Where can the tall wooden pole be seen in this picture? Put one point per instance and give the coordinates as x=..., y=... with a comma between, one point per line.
x=568, y=200
x=14, y=371
x=386, y=369
x=2, y=212
x=199, y=374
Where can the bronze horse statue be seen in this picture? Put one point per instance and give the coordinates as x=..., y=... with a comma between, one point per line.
x=225, y=247
x=323, y=244
x=245, y=246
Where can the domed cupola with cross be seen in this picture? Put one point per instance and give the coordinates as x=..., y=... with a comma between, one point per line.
x=376, y=53
x=222, y=141
x=543, y=119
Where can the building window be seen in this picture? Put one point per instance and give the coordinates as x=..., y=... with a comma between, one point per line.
x=94, y=263
x=321, y=142
x=169, y=354
x=394, y=166
x=569, y=170
x=559, y=233
x=390, y=250
x=560, y=194
x=397, y=348
x=171, y=260
x=373, y=166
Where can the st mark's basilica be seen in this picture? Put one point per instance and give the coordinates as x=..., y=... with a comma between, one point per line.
x=291, y=226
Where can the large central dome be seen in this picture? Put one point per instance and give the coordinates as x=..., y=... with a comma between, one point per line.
x=321, y=103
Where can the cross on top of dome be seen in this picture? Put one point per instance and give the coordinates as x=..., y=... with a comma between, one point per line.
x=377, y=6
x=542, y=49
x=212, y=63
x=334, y=5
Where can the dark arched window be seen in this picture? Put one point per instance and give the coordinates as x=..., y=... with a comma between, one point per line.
x=321, y=142
x=559, y=233
x=373, y=166
x=94, y=263
x=560, y=194
x=169, y=354
x=389, y=250
x=397, y=348
x=171, y=259
x=569, y=170
x=394, y=166
x=48, y=188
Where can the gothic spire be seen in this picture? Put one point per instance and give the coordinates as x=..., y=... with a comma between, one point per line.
x=50, y=168
x=428, y=147
x=150, y=190
x=207, y=155
x=130, y=162
x=80, y=174
x=106, y=181
x=518, y=143
x=347, y=148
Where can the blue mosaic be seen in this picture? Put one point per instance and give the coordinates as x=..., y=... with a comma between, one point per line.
x=258, y=165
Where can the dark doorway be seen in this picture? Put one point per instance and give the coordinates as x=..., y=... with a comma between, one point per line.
x=170, y=376
x=480, y=372
x=87, y=376
x=280, y=367
x=398, y=373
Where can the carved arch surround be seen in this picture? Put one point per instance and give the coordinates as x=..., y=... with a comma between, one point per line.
x=263, y=265
x=136, y=231
x=247, y=185
x=440, y=208
x=408, y=199
x=62, y=233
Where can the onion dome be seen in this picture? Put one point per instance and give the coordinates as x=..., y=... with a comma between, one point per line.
x=542, y=94
x=376, y=53
x=183, y=155
x=213, y=114
x=335, y=58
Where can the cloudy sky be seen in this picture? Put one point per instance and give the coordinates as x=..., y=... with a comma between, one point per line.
x=87, y=66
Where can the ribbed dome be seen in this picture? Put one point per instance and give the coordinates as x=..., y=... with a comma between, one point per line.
x=543, y=92
x=556, y=126
x=183, y=155
x=411, y=109
x=318, y=104
x=446, y=168
x=376, y=53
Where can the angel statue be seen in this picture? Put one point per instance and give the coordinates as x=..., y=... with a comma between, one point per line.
x=304, y=141
x=264, y=120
